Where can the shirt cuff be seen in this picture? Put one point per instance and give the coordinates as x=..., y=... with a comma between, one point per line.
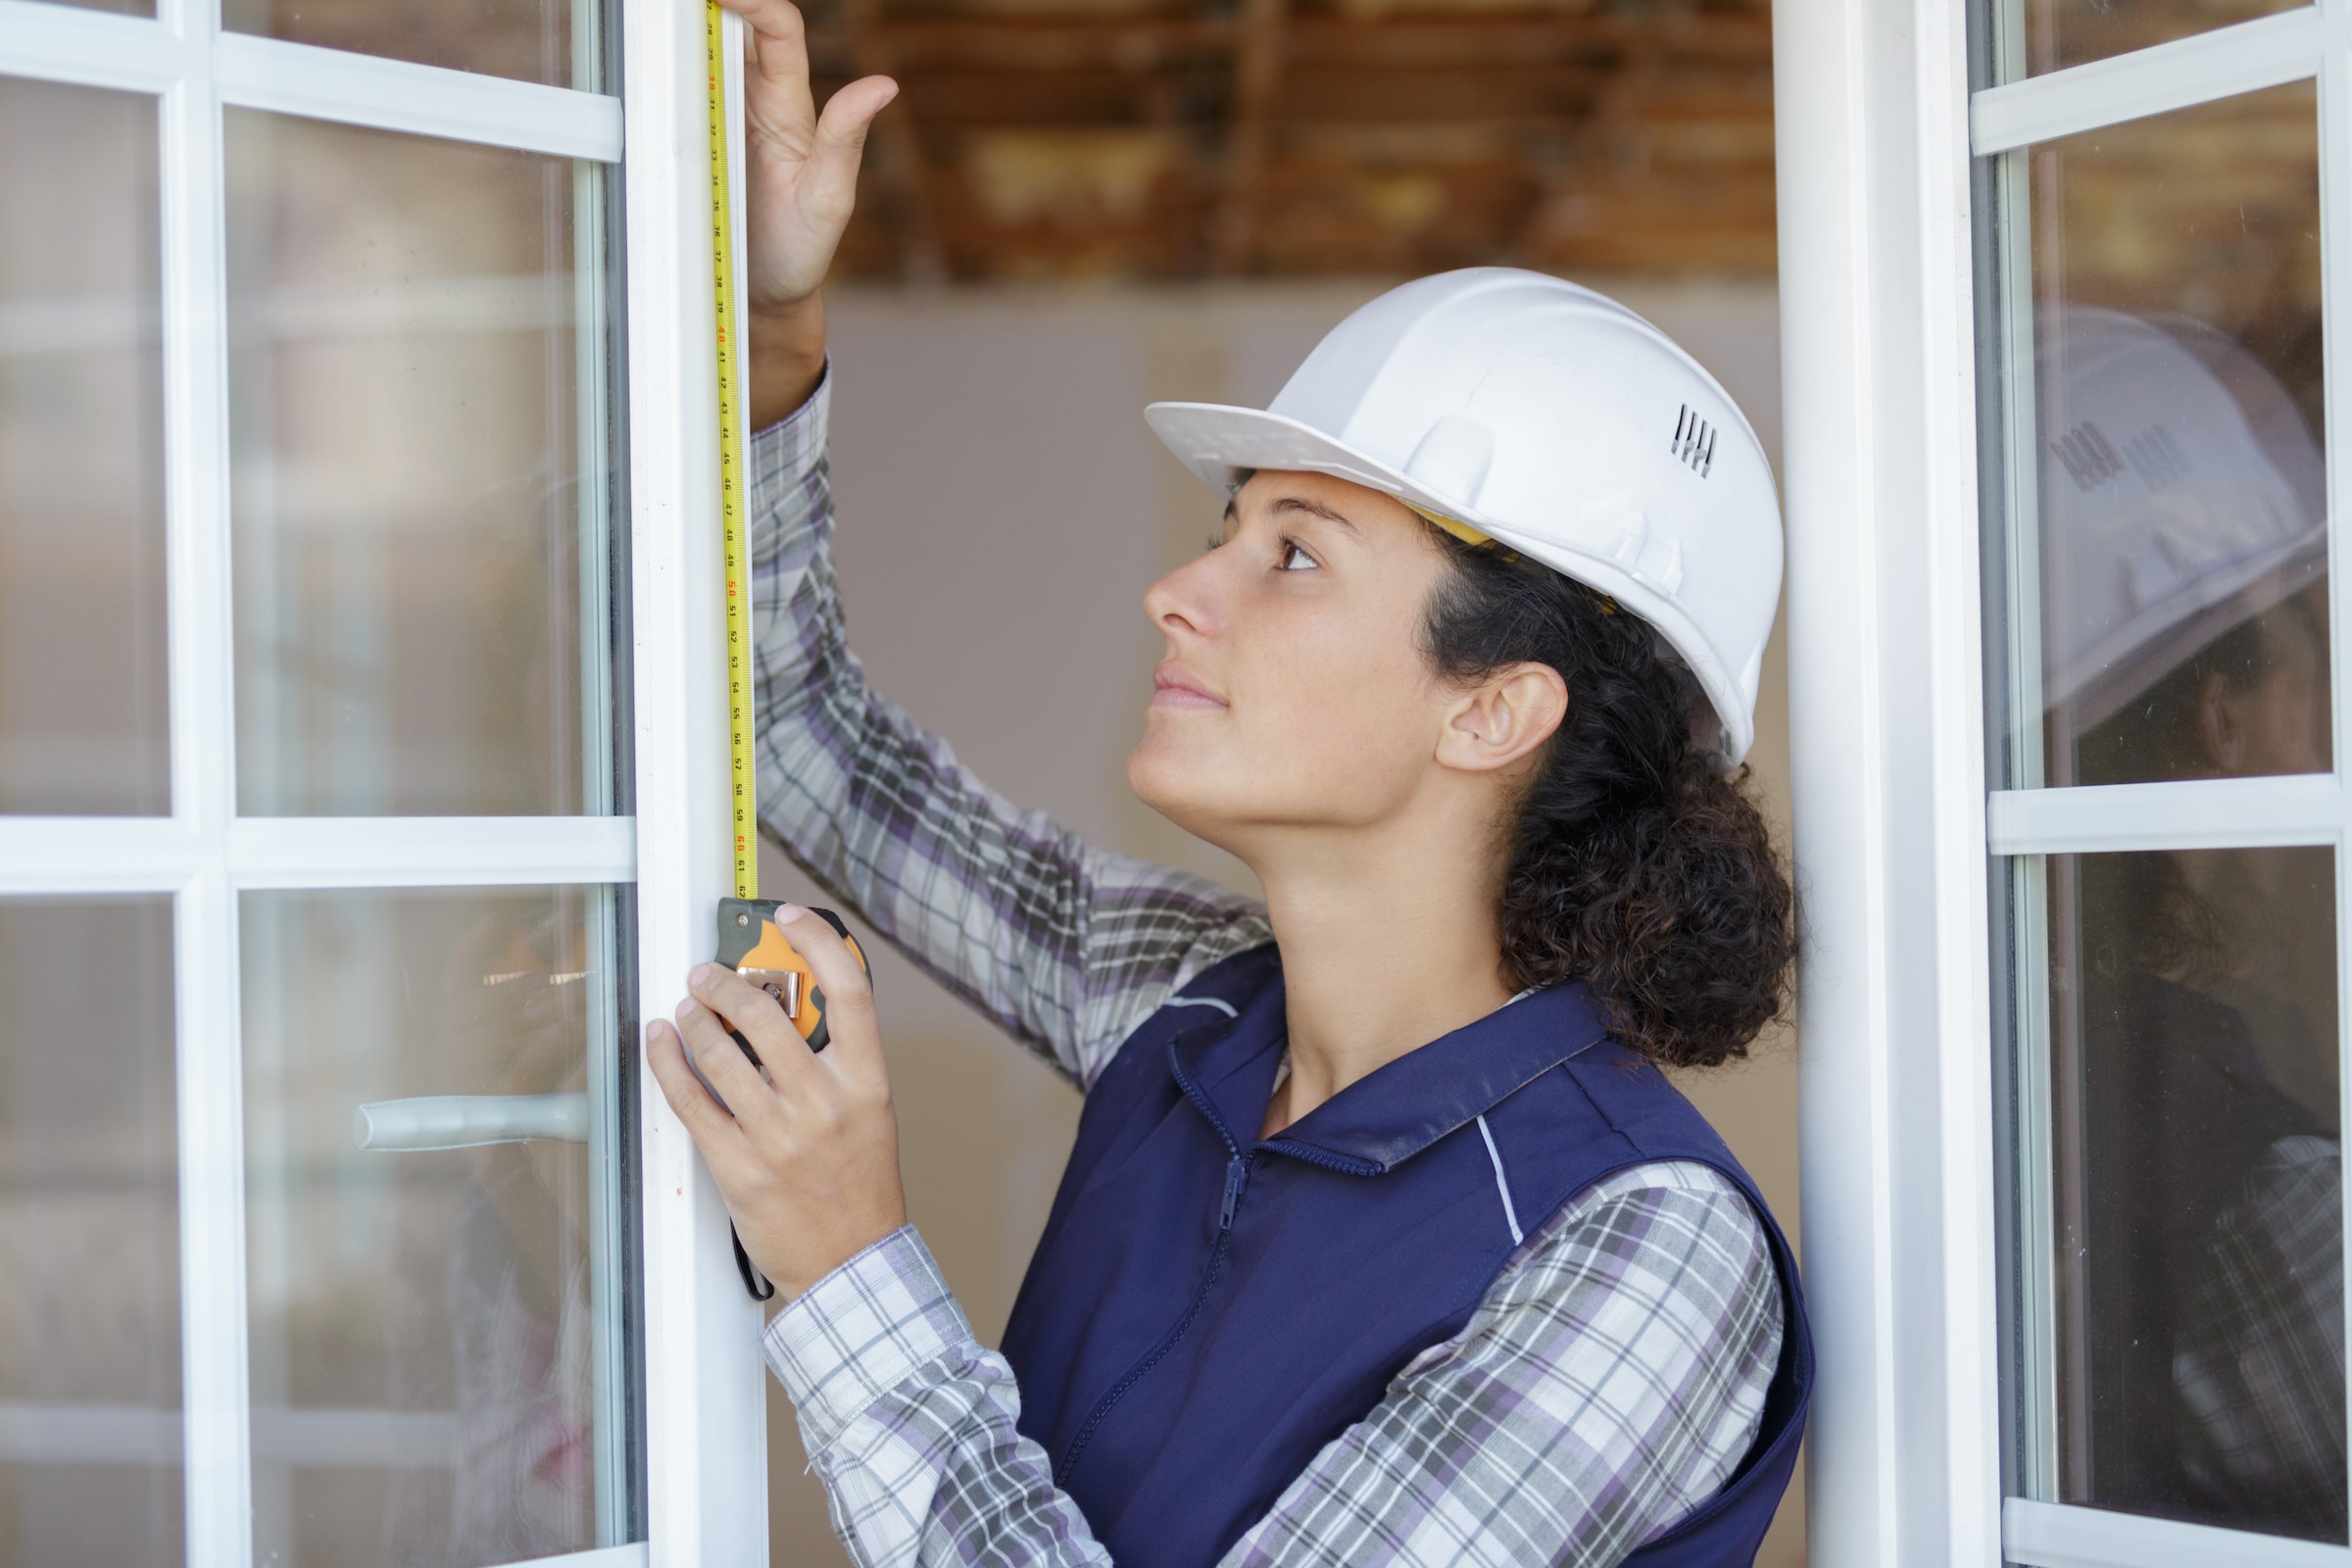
x=862, y=1331
x=788, y=448
x=779, y=471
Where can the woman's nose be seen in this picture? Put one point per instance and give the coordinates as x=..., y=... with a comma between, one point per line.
x=1186, y=599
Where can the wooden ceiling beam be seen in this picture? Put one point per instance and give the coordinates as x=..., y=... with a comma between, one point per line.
x=898, y=146
x=1297, y=137
x=1072, y=101
x=1135, y=44
x=1257, y=73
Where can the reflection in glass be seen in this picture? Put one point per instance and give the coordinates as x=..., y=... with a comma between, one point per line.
x=438, y=1348
x=416, y=526
x=2176, y=400
x=90, y=1440
x=83, y=729
x=2057, y=33
x=532, y=40
x=2197, y=1138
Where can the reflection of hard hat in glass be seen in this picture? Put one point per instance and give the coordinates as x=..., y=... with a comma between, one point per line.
x=2181, y=494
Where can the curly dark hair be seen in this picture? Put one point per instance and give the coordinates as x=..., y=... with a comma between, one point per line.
x=1635, y=865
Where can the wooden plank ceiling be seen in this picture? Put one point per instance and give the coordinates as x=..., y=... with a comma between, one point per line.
x=1298, y=138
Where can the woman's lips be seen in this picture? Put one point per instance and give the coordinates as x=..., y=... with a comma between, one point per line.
x=1172, y=688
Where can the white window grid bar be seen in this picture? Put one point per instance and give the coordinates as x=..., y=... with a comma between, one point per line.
x=214, y=1386
x=65, y=43
x=2188, y=814
x=203, y=855
x=2222, y=814
x=158, y=855
x=2051, y=1535
x=2221, y=64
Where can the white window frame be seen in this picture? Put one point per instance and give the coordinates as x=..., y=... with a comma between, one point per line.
x=1876, y=132
x=703, y=1401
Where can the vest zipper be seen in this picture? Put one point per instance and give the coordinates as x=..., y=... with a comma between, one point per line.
x=1237, y=1178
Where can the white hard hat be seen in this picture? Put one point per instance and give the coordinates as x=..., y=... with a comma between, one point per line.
x=2167, y=515
x=1555, y=422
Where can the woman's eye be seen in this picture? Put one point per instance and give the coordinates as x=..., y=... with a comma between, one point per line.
x=1295, y=559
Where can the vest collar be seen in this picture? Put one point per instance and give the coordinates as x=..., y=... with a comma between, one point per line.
x=1226, y=1067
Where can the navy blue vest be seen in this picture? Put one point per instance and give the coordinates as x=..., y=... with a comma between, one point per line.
x=1206, y=1309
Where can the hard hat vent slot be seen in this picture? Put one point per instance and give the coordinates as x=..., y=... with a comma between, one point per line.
x=1694, y=443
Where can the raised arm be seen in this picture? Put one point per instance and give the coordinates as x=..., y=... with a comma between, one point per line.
x=1067, y=946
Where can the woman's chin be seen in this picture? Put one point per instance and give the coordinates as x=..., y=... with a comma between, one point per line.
x=1173, y=785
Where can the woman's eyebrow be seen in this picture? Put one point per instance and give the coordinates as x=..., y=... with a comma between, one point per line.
x=1315, y=508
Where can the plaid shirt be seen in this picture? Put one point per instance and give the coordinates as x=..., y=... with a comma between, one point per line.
x=2259, y=1359
x=1609, y=1382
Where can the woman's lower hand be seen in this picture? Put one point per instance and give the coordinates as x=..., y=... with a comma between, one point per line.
x=806, y=1156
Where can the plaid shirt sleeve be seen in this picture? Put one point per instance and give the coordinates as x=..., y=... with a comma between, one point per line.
x=1610, y=1382
x=2259, y=1364
x=1067, y=946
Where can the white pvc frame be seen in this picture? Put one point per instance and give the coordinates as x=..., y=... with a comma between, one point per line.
x=704, y=1395
x=1876, y=133
x=703, y=1427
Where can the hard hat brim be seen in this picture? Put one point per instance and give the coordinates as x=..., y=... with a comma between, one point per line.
x=1220, y=443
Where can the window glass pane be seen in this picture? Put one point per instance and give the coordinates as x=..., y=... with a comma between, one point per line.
x=2057, y=33
x=2196, y=1178
x=89, y=1235
x=419, y=507
x=533, y=41
x=2178, y=411
x=83, y=726
x=435, y=1225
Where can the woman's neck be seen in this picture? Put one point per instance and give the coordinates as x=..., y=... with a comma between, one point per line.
x=1385, y=946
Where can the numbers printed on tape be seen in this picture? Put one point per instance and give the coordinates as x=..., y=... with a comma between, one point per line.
x=743, y=766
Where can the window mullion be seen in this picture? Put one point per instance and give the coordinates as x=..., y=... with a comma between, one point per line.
x=2335, y=324
x=211, y=1099
x=706, y=1458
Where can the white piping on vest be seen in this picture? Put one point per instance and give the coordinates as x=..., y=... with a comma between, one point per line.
x=1511, y=1215
x=1225, y=1007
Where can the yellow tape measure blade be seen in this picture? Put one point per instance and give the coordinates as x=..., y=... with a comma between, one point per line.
x=724, y=44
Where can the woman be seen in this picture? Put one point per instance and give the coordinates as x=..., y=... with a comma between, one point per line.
x=1383, y=1239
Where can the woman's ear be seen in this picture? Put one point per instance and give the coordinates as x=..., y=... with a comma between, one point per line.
x=2221, y=726
x=1503, y=718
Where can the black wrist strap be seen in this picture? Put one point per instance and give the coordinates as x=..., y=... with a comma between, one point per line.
x=762, y=1288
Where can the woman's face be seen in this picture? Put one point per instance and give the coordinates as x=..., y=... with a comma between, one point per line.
x=1293, y=691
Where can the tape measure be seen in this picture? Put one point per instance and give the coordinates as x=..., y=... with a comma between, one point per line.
x=749, y=940
x=725, y=77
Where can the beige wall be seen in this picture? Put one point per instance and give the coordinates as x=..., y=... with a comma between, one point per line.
x=1003, y=510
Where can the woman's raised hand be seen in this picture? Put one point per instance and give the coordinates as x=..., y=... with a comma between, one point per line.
x=806, y=1156
x=800, y=189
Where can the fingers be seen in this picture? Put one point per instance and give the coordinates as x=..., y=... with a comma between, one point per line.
x=721, y=1000
x=778, y=101
x=857, y=1047
x=777, y=21
x=707, y=1121
x=840, y=146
